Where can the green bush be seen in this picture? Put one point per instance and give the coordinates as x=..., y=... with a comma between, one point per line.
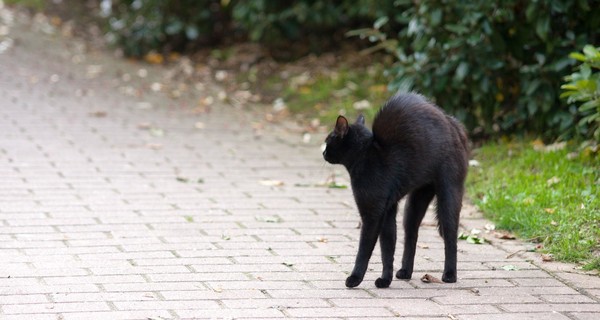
x=139, y=26
x=266, y=20
x=584, y=87
x=496, y=65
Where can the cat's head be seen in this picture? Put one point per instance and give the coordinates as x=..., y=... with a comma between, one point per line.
x=345, y=140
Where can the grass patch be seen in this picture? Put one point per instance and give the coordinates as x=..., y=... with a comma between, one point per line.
x=347, y=91
x=32, y=4
x=547, y=194
x=318, y=88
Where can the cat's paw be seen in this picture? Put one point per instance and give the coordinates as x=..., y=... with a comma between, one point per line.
x=404, y=274
x=449, y=277
x=382, y=283
x=353, y=281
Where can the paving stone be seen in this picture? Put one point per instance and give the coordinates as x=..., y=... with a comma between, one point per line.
x=563, y=307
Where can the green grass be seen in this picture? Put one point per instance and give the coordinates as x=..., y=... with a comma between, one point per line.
x=33, y=4
x=325, y=95
x=313, y=91
x=549, y=197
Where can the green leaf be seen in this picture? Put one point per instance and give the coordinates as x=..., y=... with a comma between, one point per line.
x=475, y=240
x=436, y=17
x=191, y=32
x=585, y=70
x=592, y=104
x=577, y=56
x=334, y=185
x=591, y=52
x=542, y=27
x=380, y=22
x=455, y=28
x=592, y=117
x=530, y=11
x=461, y=71
x=271, y=219
x=567, y=94
x=510, y=267
x=174, y=27
x=569, y=87
x=533, y=86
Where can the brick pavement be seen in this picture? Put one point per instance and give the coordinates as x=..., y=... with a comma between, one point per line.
x=115, y=205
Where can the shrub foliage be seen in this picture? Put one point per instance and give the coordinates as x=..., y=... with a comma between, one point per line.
x=496, y=65
x=140, y=26
x=583, y=87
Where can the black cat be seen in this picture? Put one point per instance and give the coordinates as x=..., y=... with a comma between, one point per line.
x=414, y=149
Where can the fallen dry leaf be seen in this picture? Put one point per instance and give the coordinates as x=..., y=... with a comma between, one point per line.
x=427, y=278
x=92, y=71
x=271, y=183
x=474, y=163
x=154, y=58
x=555, y=146
x=142, y=73
x=378, y=88
x=504, y=235
x=538, y=145
x=322, y=239
x=279, y=105
x=547, y=257
x=98, y=114
x=199, y=125
x=157, y=132
x=361, y=105
x=154, y=146
x=156, y=86
x=144, y=126
x=306, y=138
x=552, y=181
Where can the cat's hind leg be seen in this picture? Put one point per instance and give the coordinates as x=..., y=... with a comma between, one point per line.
x=387, y=242
x=414, y=211
x=449, y=203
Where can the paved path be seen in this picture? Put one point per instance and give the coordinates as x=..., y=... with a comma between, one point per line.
x=118, y=202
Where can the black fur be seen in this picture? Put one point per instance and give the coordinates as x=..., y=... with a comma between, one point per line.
x=414, y=149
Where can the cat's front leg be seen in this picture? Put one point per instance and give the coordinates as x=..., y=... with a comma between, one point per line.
x=387, y=241
x=368, y=237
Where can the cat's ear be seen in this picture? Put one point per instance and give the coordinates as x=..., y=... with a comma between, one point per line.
x=341, y=126
x=360, y=120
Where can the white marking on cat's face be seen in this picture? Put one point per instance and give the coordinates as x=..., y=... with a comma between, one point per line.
x=323, y=146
